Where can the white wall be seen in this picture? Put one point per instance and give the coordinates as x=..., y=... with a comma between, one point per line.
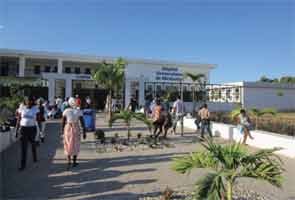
x=262, y=139
x=212, y=106
x=267, y=97
x=6, y=139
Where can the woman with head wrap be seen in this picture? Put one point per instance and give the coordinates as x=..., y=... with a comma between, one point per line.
x=71, y=131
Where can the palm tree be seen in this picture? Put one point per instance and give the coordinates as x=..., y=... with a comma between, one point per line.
x=110, y=76
x=127, y=116
x=197, y=79
x=229, y=163
x=257, y=113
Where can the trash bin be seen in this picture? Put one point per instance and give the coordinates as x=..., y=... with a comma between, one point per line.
x=89, y=119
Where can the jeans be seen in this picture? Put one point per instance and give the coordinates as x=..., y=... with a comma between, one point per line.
x=205, y=124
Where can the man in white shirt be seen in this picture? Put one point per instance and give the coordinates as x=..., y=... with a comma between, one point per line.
x=178, y=110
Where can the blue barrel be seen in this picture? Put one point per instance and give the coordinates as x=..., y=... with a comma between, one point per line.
x=89, y=119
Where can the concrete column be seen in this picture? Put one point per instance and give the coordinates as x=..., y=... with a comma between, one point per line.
x=22, y=65
x=51, y=89
x=127, y=92
x=141, y=92
x=68, y=87
x=59, y=66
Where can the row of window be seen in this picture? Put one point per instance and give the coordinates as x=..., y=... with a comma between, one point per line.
x=68, y=70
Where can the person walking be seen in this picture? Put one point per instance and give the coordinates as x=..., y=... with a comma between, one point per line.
x=26, y=125
x=71, y=131
x=204, y=115
x=157, y=118
x=133, y=105
x=78, y=101
x=198, y=118
x=41, y=119
x=178, y=111
x=244, y=125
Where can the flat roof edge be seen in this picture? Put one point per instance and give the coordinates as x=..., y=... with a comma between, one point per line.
x=93, y=58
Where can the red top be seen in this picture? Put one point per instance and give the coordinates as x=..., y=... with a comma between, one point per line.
x=78, y=102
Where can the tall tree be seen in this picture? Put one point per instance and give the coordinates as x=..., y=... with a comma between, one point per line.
x=110, y=76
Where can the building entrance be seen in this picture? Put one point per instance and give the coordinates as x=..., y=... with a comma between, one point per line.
x=60, y=85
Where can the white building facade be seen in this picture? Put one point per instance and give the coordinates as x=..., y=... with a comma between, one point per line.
x=68, y=74
x=255, y=95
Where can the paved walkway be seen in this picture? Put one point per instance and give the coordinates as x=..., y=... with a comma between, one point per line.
x=109, y=176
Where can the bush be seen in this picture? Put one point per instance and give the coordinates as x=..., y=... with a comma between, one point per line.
x=283, y=126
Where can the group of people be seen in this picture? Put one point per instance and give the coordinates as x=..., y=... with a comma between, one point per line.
x=165, y=117
x=31, y=117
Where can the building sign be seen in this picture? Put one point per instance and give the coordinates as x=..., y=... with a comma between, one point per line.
x=169, y=74
x=83, y=77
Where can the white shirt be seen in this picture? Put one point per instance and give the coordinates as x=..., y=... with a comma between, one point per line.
x=179, y=107
x=28, y=116
x=72, y=115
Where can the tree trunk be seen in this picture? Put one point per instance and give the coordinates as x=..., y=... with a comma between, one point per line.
x=194, y=100
x=110, y=105
x=128, y=132
x=229, y=190
x=256, y=125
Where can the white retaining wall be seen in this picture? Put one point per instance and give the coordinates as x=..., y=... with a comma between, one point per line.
x=262, y=139
x=6, y=139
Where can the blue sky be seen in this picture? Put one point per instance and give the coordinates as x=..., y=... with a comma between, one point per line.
x=246, y=38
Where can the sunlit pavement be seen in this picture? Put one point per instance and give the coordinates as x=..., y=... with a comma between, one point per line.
x=116, y=176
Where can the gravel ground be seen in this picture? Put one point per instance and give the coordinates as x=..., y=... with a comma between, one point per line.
x=126, y=175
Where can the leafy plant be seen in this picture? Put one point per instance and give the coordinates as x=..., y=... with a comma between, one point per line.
x=280, y=93
x=127, y=117
x=257, y=113
x=110, y=76
x=228, y=163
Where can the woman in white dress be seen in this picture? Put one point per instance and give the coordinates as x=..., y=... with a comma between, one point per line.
x=71, y=131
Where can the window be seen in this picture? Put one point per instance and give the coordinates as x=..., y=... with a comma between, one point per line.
x=68, y=70
x=47, y=68
x=54, y=69
x=4, y=69
x=37, y=69
x=87, y=71
x=77, y=70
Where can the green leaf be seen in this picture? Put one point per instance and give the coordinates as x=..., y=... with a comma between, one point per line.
x=211, y=187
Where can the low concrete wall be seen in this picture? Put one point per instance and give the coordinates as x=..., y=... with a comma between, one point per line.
x=262, y=139
x=6, y=139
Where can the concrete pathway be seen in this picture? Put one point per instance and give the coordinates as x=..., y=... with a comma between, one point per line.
x=110, y=176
